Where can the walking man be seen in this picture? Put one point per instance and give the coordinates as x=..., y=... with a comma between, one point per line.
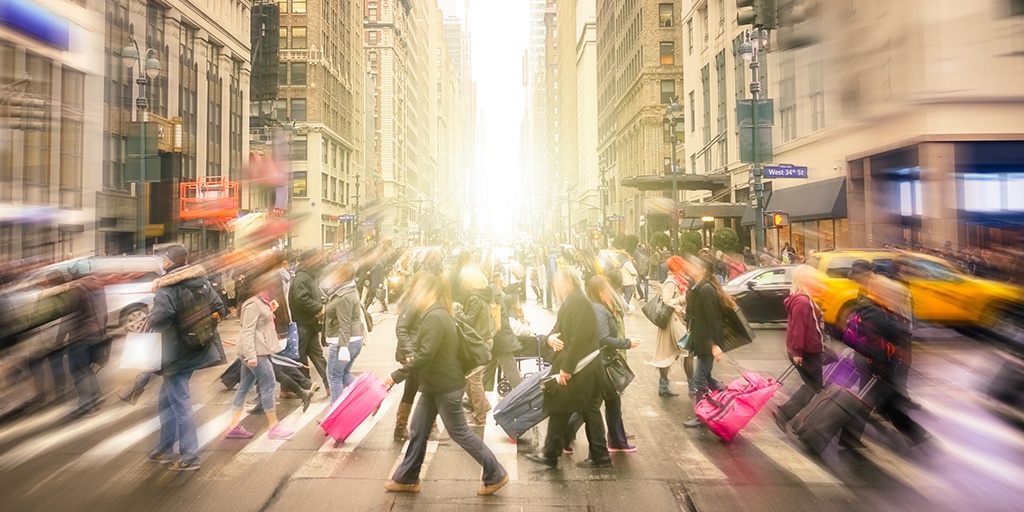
x=307, y=306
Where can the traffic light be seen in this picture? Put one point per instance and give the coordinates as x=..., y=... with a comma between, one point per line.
x=797, y=24
x=27, y=113
x=776, y=219
x=756, y=13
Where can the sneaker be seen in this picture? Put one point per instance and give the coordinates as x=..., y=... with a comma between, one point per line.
x=590, y=463
x=159, y=458
x=280, y=433
x=184, y=466
x=238, y=432
x=629, y=448
x=567, y=451
x=307, y=397
x=693, y=423
x=256, y=410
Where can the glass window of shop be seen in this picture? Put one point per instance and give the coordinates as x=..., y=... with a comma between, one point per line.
x=814, y=235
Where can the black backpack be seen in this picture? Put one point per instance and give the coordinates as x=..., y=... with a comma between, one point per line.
x=473, y=352
x=198, y=326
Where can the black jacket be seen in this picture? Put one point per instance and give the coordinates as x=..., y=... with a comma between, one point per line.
x=168, y=301
x=407, y=328
x=704, y=318
x=608, y=331
x=436, y=360
x=304, y=297
x=505, y=341
x=86, y=312
x=577, y=325
x=476, y=312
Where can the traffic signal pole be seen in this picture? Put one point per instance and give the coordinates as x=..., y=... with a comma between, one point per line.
x=755, y=168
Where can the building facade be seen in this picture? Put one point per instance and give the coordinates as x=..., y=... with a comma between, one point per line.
x=51, y=128
x=639, y=72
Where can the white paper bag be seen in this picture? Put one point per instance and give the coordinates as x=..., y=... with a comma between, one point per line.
x=142, y=351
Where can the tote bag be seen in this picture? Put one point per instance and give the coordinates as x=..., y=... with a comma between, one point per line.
x=142, y=351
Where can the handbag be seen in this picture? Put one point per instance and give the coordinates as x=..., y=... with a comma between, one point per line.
x=684, y=342
x=142, y=351
x=737, y=330
x=619, y=374
x=659, y=313
x=291, y=343
x=99, y=352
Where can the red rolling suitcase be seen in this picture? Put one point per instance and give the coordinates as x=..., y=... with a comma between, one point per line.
x=355, y=404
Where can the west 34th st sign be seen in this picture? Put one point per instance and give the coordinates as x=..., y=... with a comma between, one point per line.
x=785, y=171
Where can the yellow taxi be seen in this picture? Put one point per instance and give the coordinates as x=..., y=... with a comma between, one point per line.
x=941, y=294
x=609, y=259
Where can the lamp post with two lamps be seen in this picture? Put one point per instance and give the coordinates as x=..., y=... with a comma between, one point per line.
x=673, y=119
x=149, y=70
x=757, y=41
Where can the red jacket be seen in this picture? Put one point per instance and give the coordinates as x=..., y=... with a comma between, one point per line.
x=803, y=332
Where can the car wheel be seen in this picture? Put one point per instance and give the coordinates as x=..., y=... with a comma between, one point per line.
x=134, y=318
x=1008, y=325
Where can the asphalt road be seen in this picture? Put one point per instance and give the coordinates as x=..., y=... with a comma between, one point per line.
x=975, y=460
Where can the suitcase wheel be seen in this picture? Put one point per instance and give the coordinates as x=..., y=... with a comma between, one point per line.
x=504, y=387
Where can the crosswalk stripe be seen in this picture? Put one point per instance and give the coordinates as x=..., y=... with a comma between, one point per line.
x=985, y=427
x=57, y=438
x=910, y=474
x=120, y=442
x=789, y=458
x=35, y=423
x=294, y=421
x=364, y=428
x=214, y=428
x=998, y=468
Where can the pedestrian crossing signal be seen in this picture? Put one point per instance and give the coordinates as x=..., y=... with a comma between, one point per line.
x=776, y=219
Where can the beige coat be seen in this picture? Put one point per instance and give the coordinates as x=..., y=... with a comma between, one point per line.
x=666, y=351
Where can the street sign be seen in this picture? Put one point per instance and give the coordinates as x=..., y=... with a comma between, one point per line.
x=347, y=216
x=616, y=218
x=366, y=223
x=785, y=171
x=745, y=113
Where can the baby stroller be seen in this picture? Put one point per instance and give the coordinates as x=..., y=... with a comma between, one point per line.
x=532, y=349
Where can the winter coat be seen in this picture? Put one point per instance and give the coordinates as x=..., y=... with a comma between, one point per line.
x=704, y=317
x=608, y=330
x=643, y=263
x=304, y=297
x=505, y=340
x=803, y=332
x=476, y=313
x=436, y=360
x=886, y=343
x=258, y=336
x=169, y=300
x=577, y=326
x=666, y=348
x=85, y=312
x=407, y=329
x=343, y=318
x=629, y=274
x=282, y=317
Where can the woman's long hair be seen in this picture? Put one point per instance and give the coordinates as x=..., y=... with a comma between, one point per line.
x=438, y=287
x=708, y=266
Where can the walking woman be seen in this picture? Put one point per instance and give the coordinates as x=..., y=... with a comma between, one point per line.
x=804, y=343
x=441, y=384
x=666, y=349
x=410, y=313
x=707, y=333
x=256, y=342
x=476, y=312
x=343, y=330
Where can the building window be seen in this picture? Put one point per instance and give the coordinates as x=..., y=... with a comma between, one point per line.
x=705, y=83
x=740, y=67
x=373, y=36
x=816, y=76
x=283, y=6
x=693, y=113
x=373, y=13
x=299, y=188
x=299, y=6
x=689, y=36
x=298, y=37
x=298, y=73
x=703, y=13
x=787, y=99
x=71, y=138
x=667, y=52
x=280, y=110
x=299, y=153
x=664, y=15
x=723, y=125
x=668, y=91
x=298, y=109
x=283, y=35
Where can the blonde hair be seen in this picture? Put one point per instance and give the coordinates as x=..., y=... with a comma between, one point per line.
x=472, y=279
x=807, y=279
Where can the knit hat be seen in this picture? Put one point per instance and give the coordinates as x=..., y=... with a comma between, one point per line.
x=177, y=254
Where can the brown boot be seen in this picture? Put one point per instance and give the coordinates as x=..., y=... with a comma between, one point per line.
x=402, y=421
x=437, y=435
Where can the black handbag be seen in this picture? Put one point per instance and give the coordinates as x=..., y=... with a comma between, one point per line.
x=659, y=313
x=618, y=373
x=737, y=330
x=99, y=352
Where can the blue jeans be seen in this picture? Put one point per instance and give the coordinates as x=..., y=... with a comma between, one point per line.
x=80, y=362
x=177, y=420
x=449, y=408
x=263, y=376
x=339, y=373
x=702, y=379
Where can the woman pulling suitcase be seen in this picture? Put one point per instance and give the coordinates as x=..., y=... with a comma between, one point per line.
x=441, y=385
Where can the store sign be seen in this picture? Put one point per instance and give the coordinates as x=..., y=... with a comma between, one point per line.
x=785, y=171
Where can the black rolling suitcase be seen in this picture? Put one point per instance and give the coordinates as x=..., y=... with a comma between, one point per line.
x=827, y=413
x=232, y=374
x=522, y=408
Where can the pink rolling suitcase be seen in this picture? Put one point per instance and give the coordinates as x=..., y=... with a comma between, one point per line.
x=355, y=404
x=726, y=412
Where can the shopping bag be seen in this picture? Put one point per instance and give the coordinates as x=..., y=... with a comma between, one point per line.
x=291, y=347
x=142, y=351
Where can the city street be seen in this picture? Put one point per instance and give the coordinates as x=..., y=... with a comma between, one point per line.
x=974, y=462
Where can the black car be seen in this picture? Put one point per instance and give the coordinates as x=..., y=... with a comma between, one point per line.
x=760, y=293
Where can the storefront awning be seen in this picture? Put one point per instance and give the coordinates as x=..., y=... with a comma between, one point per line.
x=824, y=199
x=662, y=182
x=717, y=210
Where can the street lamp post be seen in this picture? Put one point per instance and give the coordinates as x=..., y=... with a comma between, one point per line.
x=672, y=114
x=130, y=56
x=358, y=226
x=757, y=40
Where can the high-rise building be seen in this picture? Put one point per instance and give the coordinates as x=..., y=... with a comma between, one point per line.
x=639, y=74
x=534, y=139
